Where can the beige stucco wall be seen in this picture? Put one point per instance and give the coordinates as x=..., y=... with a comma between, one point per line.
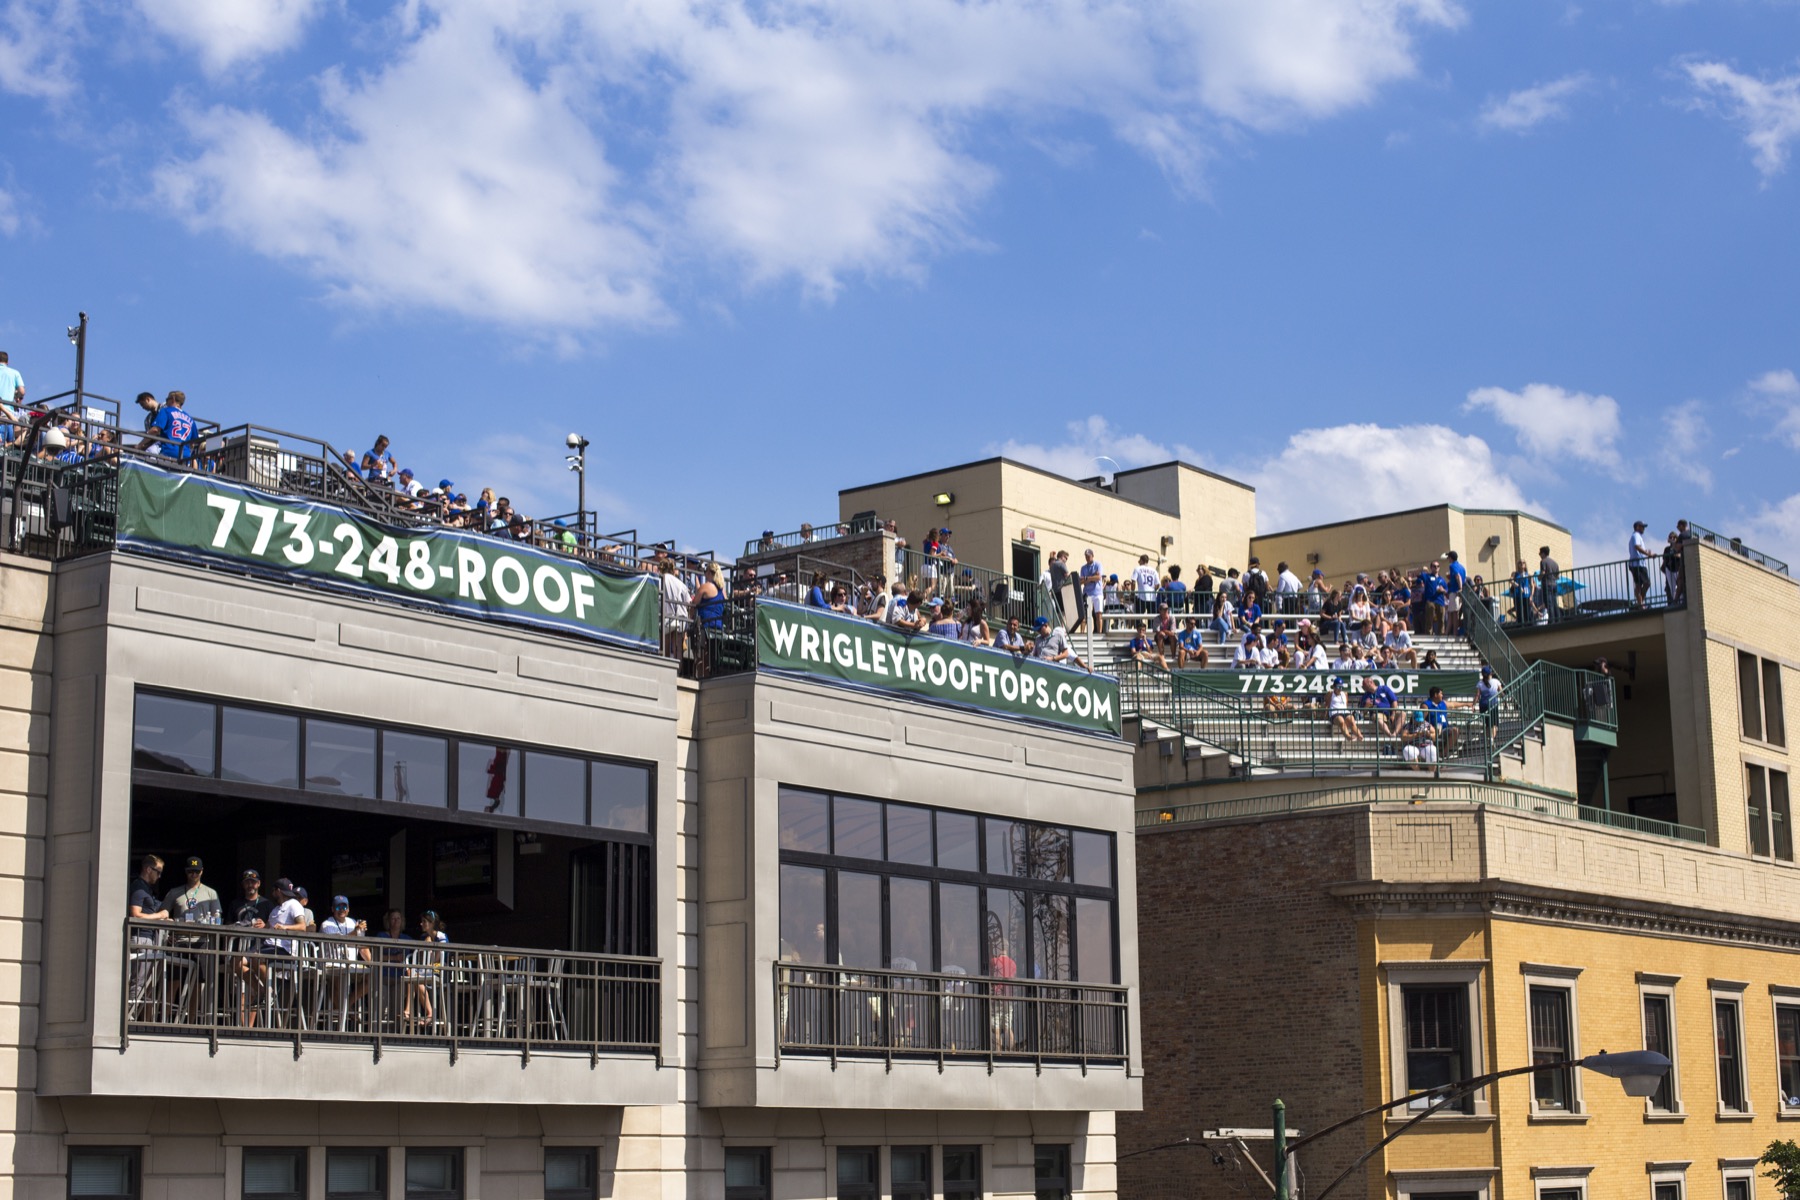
x=1410, y=539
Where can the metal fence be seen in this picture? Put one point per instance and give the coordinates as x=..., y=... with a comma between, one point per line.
x=1614, y=589
x=1735, y=546
x=839, y=1012
x=809, y=535
x=228, y=983
x=1004, y=596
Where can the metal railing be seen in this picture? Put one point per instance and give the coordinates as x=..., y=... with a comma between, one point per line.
x=1735, y=546
x=1423, y=791
x=1589, y=593
x=230, y=983
x=856, y=1013
x=1005, y=596
x=811, y=535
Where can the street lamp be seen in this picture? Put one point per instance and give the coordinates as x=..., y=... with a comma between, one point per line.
x=1640, y=1071
x=578, y=464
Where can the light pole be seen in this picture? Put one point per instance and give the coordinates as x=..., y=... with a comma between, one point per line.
x=578, y=464
x=1640, y=1071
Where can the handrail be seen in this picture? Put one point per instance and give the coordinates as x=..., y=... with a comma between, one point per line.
x=1003, y=595
x=1735, y=546
x=1423, y=791
x=233, y=983
x=809, y=535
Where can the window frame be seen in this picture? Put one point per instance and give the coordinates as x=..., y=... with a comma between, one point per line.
x=931, y=1171
x=1039, y=1180
x=862, y=1191
x=961, y=1192
x=764, y=1188
x=1769, y=830
x=1668, y=1174
x=459, y=1159
x=1662, y=987
x=1467, y=973
x=380, y=1155
x=1726, y=993
x=1539, y=977
x=1761, y=691
x=590, y=1155
x=301, y=1158
x=1426, y=1183
x=134, y=1160
x=1784, y=999
x=1731, y=1172
x=1548, y=1182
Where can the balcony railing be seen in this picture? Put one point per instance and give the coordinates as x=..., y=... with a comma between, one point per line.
x=229, y=983
x=1736, y=546
x=1588, y=593
x=811, y=535
x=841, y=1013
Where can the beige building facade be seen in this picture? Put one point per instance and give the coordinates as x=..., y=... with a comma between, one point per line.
x=1488, y=542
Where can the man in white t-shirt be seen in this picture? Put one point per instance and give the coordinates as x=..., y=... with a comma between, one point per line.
x=1399, y=640
x=1638, y=555
x=677, y=597
x=1287, y=589
x=289, y=915
x=1147, y=582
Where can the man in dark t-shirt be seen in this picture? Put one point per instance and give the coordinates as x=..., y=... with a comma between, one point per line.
x=143, y=902
x=252, y=911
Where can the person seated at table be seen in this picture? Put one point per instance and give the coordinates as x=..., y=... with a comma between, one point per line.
x=424, y=968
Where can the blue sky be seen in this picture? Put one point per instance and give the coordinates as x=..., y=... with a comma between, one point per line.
x=1366, y=254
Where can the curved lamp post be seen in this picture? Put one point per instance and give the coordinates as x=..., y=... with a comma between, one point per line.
x=1640, y=1071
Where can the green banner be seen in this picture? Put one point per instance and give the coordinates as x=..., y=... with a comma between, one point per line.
x=1460, y=684
x=181, y=514
x=810, y=642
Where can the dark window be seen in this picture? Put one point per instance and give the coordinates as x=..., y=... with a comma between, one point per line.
x=1051, y=1167
x=859, y=920
x=962, y=1173
x=569, y=1173
x=1749, y=695
x=1093, y=859
x=1774, y=724
x=1787, y=1054
x=958, y=842
x=856, y=828
x=103, y=1173
x=1731, y=1065
x=555, y=788
x=909, y=834
x=1738, y=1188
x=805, y=821
x=802, y=914
x=1756, y=810
x=1667, y=1189
x=1659, y=1037
x=622, y=796
x=959, y=928
x=857, y=1177
x=487, y=779
x=746, y=1173
x=1437, y=1040
x=1051, y=932
x=1008, y=848
x=613, y=898
x=1561, y=1193
x=909, y=1171
x=434, y=1174
x=415, y=770
x=355, y=1174
x=340, y=759
x=174, y=735
x=274, y=1174
x=259, y=747
x=1781, y=822
x=1551, y=1042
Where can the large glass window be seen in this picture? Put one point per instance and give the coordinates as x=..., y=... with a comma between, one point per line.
x=856, y=828
x=1767, y=813
x=1787, y=1053
x=909, y=923
x=959, y=929
x=1756, y=805
x=1093, y=859
x=621, y=797
x=1728, y=1036
x=958, y=842
x=1437, y=1038
x=962, y=1173
x=569, y=1173
x=487, y=779
x=433, y=1174
x=1552, y=1042
x=174, y=735
x=274, y=1174
x=802, y=914
x=1051, y=1173
x=746, y=1173
x=857, y=1177
x=259, y=747
x=555, y=788
x=1759, y=699
x=909, y=834
x=909, y=1170
x=859, y=921
x=805, y=821
x=340, y=759
x=415, y=769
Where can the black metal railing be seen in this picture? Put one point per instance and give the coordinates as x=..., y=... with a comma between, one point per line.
x=1736, y=546
x=809, y=535
x=840, y=1013
x=1602, y=590
x=230, y=983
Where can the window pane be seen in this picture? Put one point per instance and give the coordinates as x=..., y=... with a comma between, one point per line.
x=746, y=1168
x=621, y=796
x=805, y=821
x=1008, y=848
x=910, y=1169
x=271, y=1173
x=173, y=735
x=958, y=842
x=909, y=834
x=909, y=924
x=859, y=919
x=340, y=759
x=1787, y=1055
x=432, y=1172
x=487, y=779
x=415, y=770
x=1550, y=1043
x=1667, y=1190
x=962, y=1172
x=1756, y=814
x=1093, y=859
x=856, y=827
x=856, y=1175
x=1051, y=848
x=1737, y=1189
x=555, y=788
x=1437, y=1040
x=1731, y=1076
x=959, y=929
x=1657, y=1038
x=568, y=1170
x=1007, y=937
x=1050, y=928
x=1774, y=723
x=100, y=1172
x=259, y=747
x=1749, y=695
x=802, y=914
x=1051, y=1165
x=354, y=1173
x=1781, y=823
x=1094, y=941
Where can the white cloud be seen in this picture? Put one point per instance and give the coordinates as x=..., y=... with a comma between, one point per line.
x=1685, y=433
x=1775, y=529
x=550, y=162
x=1780, y=391
x=1767, y=110
x=225, y=33
x=1530, y=107
x=1553, y=423
x=1348, y=471
x=1087, y=442
x=37, y=47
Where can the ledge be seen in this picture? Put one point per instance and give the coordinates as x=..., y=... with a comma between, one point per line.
x=1557, y=1119
x=1664, y=1118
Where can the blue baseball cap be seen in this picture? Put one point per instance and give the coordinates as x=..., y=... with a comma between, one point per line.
x=340, y=902
x=1041, y=622
x=406, y=471
x=445, y=484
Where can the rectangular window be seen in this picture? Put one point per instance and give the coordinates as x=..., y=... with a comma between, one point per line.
x=555, y=788
x=355, y=1174
x=487, y=779
x=1552, y=1041
x=1052, y=1173
x=569, y=1173
x=622, y=794
x=415, y=770
x=274, y=1174
x=1774, y=725
x=746, y=1173
x=909, y=1171
x=1728, y=1036
x=1756, y=809
x=1437, y=1039
x=340, y=759
x=103, y=1173
x=857, y=1177
x=1560, y=1193
x=259, y=747
x=1666, y=1189
x=174, y=735
x=1750, y=695
x=1781, y=825
x=433, y=1174
x=1659, y=1036
x=1787, y=1053
x=962, y=1173
x=1737, y=1187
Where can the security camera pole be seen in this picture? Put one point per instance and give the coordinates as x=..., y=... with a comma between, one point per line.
x=578, y=464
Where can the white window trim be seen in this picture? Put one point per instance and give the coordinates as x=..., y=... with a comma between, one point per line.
x=1663, y=985
x=1467, y=972
x=1562, y=980
x=1727, y=1174
x=1729, y=992
x=1781, y=997
x=1556, y=1179
x=1675, y=1173
x=1422, y=1183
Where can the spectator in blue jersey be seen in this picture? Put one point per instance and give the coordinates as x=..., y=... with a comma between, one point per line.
x=1434, y=592
x=1143, y=648
x=1091, y=595
x=1177, y=590
x=815, y=595
x=169, y=429
x=1437, y=711
x=1456, y=582
x=1379, y=700
x=1192, y=644
x=54, y=446
x=1249, y=617
x=377, y=464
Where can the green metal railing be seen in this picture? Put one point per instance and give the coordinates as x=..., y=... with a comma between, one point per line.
x=1423, y=791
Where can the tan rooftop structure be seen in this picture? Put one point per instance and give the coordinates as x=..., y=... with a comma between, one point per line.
x=1488, y=541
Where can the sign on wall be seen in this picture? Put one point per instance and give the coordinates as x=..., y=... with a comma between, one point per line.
x=1318, y=683
x=180, y=514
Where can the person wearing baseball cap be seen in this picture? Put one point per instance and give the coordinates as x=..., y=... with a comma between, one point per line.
x=193, y=901
x=338, y=960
